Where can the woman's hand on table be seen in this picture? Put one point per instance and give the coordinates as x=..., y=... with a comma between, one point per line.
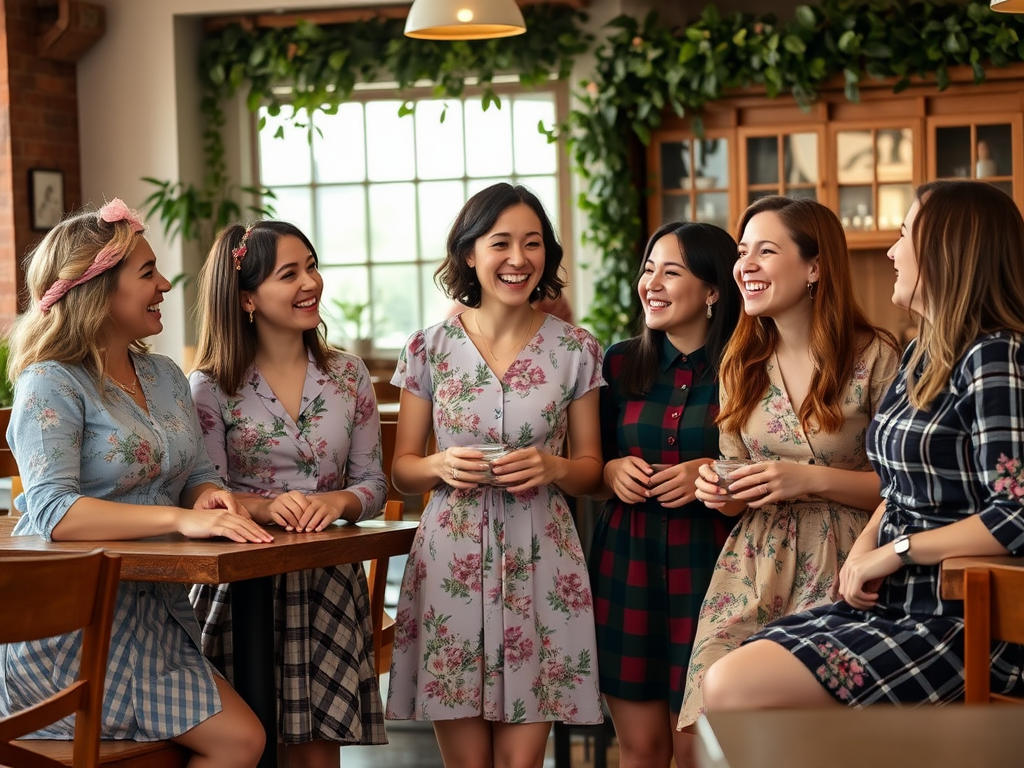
x=627, y=478
x=218, y=498
x=211, y=522
x=319, y=513
x=675, y=485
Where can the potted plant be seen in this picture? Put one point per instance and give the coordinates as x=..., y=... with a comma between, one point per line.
x=354, y=313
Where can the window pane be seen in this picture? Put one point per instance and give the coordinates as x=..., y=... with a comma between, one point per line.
x=389, y=142
x=343, y=284
x=439, y=146
x=488, y=140
x=855, y=157
x=994, y=151
x=675, y=164
x=396, y=304
x=533, y=153
x=295, y=205
x=342, y=235
x=712, y=156
x=763, y=160
x=894, y=150
x=340, y=153
x=285, y=160
x=801, y=158
x=392, y=224
x=953, y=152
x=546, y=190
x=436, y=306
x=439, y=204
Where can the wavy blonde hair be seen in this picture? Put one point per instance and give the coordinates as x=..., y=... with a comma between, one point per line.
x=969, y=240
x=72, y=332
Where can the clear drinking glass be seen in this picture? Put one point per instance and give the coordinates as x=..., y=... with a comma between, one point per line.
x=491, y=451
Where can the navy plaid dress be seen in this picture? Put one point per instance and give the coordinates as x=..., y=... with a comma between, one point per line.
x=961, y=457
x=650, y=566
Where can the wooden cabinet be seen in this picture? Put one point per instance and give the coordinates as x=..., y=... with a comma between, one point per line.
x=862, y=160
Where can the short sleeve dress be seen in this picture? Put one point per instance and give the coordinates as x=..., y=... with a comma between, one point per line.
x=783, y=558
x=963, y=456
x=326, y=682
x=495, y=615
x=70, y=443
x=650, y=565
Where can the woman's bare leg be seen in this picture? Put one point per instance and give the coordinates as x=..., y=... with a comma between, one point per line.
x=465, y=743
x=762, y=675
x=643, y=731
x=314, y=754
x=233, y=738
x=520, y=745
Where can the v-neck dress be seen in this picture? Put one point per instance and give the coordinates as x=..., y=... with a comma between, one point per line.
x=323, y=638
x=785, y=557
x=71, y=441
x=495, y=614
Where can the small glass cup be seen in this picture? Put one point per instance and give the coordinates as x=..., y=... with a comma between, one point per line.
x=725, y=468
x=491, y=451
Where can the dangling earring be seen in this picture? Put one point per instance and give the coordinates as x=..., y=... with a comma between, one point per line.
x=709, y=310
x=251, y=319
x=810, y=291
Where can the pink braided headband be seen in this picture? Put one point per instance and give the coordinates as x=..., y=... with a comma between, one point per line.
x=112, y=212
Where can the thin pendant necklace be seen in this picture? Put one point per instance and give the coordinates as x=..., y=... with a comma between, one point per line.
x=480, y=333
x=128, y=390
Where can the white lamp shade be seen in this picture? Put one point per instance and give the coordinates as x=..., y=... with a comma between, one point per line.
x=1007, y=6
x=464, y=19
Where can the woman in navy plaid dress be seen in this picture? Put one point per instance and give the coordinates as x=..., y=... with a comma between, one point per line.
x=655, y=545
x=948, y=442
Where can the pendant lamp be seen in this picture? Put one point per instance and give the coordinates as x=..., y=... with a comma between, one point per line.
x=465, y=19
x=1007, y=6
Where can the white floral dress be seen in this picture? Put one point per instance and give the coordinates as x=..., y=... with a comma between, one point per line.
x=495, y=615
x=784, y=558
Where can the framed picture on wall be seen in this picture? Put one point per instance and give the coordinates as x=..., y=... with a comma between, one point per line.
x=46, y=192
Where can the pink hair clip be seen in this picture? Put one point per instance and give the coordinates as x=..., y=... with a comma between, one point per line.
x=239, y=251
x=111, y=213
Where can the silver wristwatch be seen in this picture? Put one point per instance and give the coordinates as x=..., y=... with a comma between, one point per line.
x=901, y=544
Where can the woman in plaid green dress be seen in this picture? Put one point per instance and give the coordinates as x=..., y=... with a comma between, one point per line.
x=654, y=546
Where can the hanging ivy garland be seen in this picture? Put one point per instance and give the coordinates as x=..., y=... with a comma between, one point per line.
x=643, y=67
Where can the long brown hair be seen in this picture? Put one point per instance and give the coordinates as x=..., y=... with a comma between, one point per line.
x=969, y=240
x=839, y=329
x=227, y=343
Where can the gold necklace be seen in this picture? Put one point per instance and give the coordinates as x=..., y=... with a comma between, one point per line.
x=480, y=333
x=128, y=390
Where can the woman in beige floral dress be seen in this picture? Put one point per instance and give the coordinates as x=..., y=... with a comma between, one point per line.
x=801, y=379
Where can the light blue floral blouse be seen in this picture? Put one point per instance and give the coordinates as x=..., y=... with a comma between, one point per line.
x=70, y=443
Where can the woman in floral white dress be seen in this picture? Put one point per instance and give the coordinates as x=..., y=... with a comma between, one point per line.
x=293, y=429
x=495, y=630
x=801, y=378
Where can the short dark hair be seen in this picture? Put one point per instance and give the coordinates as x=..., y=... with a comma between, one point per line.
x=458, y=280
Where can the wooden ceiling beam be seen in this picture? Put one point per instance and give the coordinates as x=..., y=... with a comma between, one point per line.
x=337, y=16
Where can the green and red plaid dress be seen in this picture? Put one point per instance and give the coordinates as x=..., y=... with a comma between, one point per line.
x=650, y=566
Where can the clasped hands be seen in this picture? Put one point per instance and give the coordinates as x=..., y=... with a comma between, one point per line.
x=634, y=481
x=517, y=471
x=766, y=482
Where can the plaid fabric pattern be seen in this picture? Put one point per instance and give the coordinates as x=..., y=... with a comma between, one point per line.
x=961, y=457
x=650, y=566
x=323, y=647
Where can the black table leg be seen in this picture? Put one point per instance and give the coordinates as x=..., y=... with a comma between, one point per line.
x=252, y=618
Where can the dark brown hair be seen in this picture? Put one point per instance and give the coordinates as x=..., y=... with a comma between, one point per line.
x=477, y=217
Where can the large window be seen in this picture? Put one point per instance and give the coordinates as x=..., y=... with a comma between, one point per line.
x=377, y=193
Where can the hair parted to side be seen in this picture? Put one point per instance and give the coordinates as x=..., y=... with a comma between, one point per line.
x=73, y=330
x=839, y=329
x=458, y=280
x=227, y=343
x=969, y=240
x=709, y=253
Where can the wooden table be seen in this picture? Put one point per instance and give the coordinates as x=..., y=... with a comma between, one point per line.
x=174, y=558
x=951, y=577
x=880, y=736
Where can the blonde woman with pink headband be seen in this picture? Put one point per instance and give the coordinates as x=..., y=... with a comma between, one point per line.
x=109, y=447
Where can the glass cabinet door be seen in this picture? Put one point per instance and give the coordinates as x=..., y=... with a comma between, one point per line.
x=875, y=177
x=782, y=164
x=693, y=177
x=977, y=150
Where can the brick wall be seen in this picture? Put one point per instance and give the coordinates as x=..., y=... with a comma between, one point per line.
x=38, y=129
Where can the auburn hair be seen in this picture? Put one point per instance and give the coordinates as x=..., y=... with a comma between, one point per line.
x=839, y=329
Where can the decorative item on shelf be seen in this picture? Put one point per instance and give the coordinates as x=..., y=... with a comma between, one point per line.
x=47, y=188
x=986, y=165
x=705, y=182
x=1007, y=6
x=464, y=19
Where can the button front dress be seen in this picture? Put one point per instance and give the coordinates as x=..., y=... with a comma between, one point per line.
x=495, y=615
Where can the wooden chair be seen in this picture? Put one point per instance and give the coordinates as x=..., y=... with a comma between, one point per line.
x=383, y=623
x=54, y=595
x=993, y=610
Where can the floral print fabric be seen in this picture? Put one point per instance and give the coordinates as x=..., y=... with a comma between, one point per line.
x=495, y=614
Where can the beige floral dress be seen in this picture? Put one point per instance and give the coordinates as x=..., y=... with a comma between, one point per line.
x=785, y=557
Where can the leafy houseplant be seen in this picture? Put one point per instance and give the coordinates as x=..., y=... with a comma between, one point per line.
x=353, y=313
x=6, y=389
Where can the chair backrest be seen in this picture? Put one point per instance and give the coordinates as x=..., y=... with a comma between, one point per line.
x=377, y=581
x=388, y=433
x=993, y=610
x=55, y=595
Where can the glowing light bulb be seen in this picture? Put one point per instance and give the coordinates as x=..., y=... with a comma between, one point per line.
x=465, y=15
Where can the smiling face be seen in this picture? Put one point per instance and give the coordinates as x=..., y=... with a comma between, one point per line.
x=673, y=299
x=907, y=292
x=509, y=259
x=771, y=273
x=135, y=302
x=289, y=298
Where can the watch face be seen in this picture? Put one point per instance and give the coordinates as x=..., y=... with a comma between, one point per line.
x=901, y=544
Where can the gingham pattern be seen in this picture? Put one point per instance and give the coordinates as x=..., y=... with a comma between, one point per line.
x=650, y=566
x=961, y=457
x=69, y=442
